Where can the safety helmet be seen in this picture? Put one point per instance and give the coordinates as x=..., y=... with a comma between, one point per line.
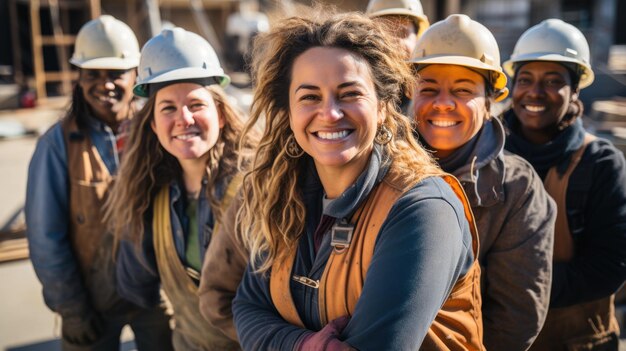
x=174, y=55
x=105, y=43
x=557, y=41
x=458, y=40
x=410, y=8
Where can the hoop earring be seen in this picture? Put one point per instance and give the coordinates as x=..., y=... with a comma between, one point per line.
x=383, y=135
x=292, y=149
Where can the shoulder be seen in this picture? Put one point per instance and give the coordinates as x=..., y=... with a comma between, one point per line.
x=433, y=192
x=519, y=175
x=603, y=152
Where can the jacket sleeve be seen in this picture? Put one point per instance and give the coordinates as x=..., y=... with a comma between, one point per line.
x=422, y=250
x=259, y=326
x=517, y=269
x=137, y=274
x=47, y=215
x=224, y=265
x=598, y=268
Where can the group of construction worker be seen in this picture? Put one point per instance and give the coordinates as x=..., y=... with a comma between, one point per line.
x=370, y=199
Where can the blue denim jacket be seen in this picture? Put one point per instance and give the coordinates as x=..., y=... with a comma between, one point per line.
x=47, y=216
x=137, y=273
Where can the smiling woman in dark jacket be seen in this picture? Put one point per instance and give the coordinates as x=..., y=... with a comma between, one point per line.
x=586, y=176
x=357, y=239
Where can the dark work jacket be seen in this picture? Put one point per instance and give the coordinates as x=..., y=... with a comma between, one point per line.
x=423, y=247
x=596, y=213
x=515, y=219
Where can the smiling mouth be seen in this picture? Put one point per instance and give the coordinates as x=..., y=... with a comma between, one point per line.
x=333, y=135
x=108, y=97
x=186, y=136
x=443, y=124
x=535, y=108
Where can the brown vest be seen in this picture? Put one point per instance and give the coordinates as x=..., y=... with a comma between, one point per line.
x=457, y=326
x=92, y=245
x=192, y=331
x=587, y=326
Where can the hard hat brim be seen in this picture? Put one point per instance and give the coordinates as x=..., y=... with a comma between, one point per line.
x=141, y=90
x=106, y=63
x=420, y=21
x=499, y=83
x=585, y=79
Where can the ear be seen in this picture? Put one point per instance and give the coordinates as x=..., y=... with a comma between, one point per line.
x=575, y=95
x=380, y=116
x=153, y=126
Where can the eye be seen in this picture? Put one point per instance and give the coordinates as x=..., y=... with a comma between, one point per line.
x=428, y=91
x=309, y=97
x=167, y=109
x=351, y=94
x=463, y=92
x=522, y=81
x=554, y=82
x=196, y=106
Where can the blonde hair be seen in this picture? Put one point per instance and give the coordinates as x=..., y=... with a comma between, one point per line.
x=273, y=213
x=147, y=167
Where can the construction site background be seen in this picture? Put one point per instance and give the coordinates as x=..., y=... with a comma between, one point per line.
x=26, y=112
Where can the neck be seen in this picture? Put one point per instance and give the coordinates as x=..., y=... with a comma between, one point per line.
x=539, y=137
x=193, y=172
x=336, y=180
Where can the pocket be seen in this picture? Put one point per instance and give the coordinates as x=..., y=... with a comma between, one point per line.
x=606, y=341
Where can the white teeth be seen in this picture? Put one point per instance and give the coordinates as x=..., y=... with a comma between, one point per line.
x=332, y=135
x=186, y=136
x=444, y=124
x=535, y=108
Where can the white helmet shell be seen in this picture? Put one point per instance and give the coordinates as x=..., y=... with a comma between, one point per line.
x=556, y=41
x=177, y=54
x=105, y=43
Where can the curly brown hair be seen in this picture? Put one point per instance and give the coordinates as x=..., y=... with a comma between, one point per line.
x=273, y=212
x=147, y=167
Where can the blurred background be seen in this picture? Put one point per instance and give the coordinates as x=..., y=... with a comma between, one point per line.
x=36, y=41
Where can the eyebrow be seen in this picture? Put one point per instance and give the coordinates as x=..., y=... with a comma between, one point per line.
x=313, y=87
x=462, y=80
x=545, y=73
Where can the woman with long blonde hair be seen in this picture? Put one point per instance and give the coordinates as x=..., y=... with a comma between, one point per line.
x=179, y=172
x=357, y=239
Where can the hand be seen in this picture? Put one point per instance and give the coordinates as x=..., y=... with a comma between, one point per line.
x=326, y=339
x=82, y=330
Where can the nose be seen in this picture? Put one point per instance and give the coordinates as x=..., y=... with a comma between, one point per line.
x=331, y=110
x=185, y=117
x=536, y=89
x=108, y=84
x=444, y=102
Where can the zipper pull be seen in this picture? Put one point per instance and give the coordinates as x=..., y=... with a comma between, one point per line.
x=307, y=281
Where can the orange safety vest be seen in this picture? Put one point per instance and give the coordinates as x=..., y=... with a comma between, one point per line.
x=457, y=326
x=586, y=326
x=191, y=331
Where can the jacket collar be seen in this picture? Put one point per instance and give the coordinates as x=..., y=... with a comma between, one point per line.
x=483, y=175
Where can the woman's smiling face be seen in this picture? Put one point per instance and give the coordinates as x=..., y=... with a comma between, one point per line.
x=186, y=120
x=333, y=108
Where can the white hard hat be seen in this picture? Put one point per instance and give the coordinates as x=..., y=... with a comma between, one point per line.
x=105, y=43
x=177, y=54
x=410, y=8
x=458, y=40
x=557, y=41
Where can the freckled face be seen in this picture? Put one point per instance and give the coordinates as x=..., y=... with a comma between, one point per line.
x=450, y=106
x=186, y=121
x=333, y=108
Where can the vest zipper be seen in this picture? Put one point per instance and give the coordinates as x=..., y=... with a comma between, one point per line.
x=306, y=281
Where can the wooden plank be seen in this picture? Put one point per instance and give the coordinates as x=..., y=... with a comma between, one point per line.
x=60, y=40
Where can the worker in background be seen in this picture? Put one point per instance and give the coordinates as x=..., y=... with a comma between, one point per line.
x=585, y=175
x=69, y=179
x=405, y=21
x=457, y=65
x=179, y=173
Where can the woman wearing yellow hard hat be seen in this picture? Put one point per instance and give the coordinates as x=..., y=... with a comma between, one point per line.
x=457, y=61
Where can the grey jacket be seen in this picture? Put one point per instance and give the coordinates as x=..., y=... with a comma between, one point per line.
x=515, y=219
